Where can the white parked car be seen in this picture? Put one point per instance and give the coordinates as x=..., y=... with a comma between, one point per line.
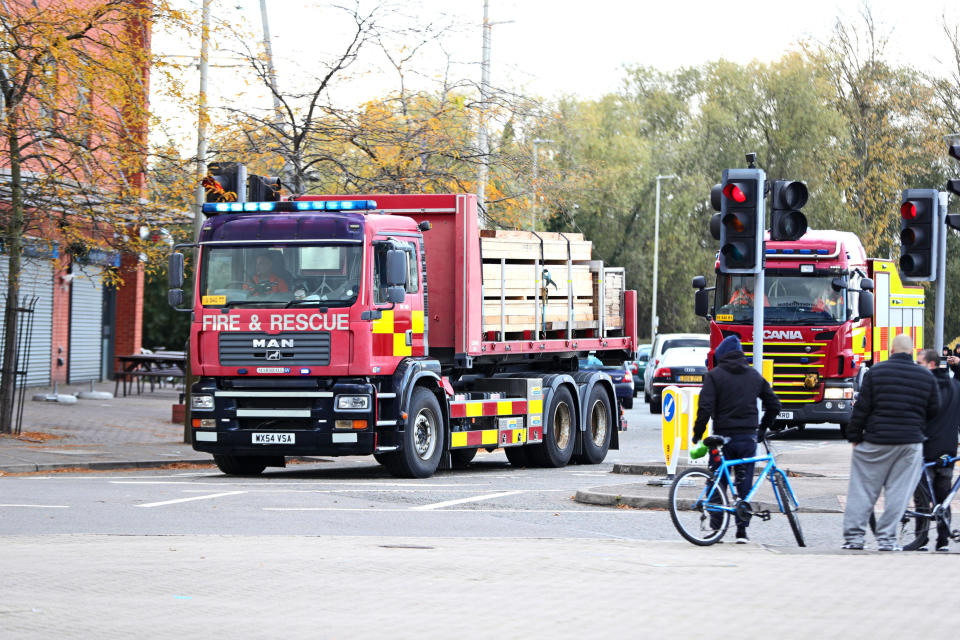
x=679, y=367
x=663, y=343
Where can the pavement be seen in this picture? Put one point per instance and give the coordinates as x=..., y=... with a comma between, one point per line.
x=122, y=432
x=369, y=587
x=818, y=475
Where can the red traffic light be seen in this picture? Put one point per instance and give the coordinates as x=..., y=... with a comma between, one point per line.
x=908, y=210
x=734, y=192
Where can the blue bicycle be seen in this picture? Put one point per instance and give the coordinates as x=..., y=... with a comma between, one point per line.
x=702, y=502
x=913, y=532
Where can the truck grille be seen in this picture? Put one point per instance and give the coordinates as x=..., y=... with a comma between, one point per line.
x=262, y=349
x=792, y=362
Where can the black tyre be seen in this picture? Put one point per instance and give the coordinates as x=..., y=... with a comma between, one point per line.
x=422, y=438
x=692, y=518
x=559, y=433
x=913, y=530
x=461, y=458
x=240, y=465
x=627, y=403
x=656, y=404
x=789, y=506
x=646, y=397
x=518, y=456
x=599, y=428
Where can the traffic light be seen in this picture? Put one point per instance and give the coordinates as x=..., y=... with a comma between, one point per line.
x=918, y=234
x=263, y=188
x=742, y=220
x=787, y=222
x=222, y=182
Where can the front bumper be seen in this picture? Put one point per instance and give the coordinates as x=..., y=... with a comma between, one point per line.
x=819, y=412
x=241, y=415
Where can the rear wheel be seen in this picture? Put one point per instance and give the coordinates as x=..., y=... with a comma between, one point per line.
x=689, y=509
x=656, y=404
x=240, y=465
x=518, y=456
x=627, y=403
x=599, y=428
x=559, y=434
x=789, y=506
x=422, y=438
x=462, y=457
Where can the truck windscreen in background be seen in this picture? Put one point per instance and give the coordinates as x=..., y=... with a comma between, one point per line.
x=788, y=299
x=281, y=275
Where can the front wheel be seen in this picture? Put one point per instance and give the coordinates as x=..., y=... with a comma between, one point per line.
x=240, y=465
x=422, y=438
x=789, y=506
x=692, y=500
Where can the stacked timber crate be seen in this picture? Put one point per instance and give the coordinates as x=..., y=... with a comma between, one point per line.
x=546, y=285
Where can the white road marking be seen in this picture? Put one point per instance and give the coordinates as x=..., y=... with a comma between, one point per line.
x=603, y=510
x=450, y=503
x=178, y=500
x=37, y=506
x=269, y=483
x=388, y=490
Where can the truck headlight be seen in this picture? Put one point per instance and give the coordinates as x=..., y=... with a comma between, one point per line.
x=201, y=403
x=353, y=403
x=838, y=393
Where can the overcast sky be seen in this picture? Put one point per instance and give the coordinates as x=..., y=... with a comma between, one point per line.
x=554, y=47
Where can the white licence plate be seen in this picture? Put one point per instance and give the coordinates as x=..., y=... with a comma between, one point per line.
x=785, y=415
x=273, y=438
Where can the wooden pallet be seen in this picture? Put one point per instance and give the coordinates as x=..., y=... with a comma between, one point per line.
x=525, y=246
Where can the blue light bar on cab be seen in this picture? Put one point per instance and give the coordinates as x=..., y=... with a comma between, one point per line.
x=289, y=207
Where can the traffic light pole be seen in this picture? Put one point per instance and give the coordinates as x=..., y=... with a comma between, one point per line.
x=758, y=289
x=941, y=272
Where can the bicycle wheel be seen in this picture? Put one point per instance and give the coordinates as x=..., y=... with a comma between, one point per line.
x=913, y=530
x=695, y=521
x=788, y=505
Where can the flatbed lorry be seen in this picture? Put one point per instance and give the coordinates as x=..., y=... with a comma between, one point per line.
x=392, y=325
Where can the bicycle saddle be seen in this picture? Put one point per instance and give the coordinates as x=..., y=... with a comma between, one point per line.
x=715, y=441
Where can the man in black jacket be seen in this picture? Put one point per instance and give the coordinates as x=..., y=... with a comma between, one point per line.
x=729, y=396
x=897, y=399
x=942, y=435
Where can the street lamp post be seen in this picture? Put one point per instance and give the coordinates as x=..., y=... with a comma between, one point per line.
x=656, y=257
x=536, y=200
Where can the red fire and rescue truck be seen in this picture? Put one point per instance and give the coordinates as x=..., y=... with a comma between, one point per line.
x=829, y=312
x=350, y=325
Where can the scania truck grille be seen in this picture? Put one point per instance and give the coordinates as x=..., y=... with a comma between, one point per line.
x=793, y=363
x=282, y=349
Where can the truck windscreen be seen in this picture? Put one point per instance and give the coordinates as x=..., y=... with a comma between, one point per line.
x=788, y=299
x=281, y=275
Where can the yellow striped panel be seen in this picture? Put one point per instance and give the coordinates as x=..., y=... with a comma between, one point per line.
x=490, y=437
x=385, y=323
x=458, y=439
x=416, y=321
x=475, y=409
x=400, y=346
x=535, y=406
x=504, y=408
x=799, y=365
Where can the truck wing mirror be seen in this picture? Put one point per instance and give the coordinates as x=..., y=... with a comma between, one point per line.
x=396, y=295
x=175, y=297
x=396, y=268
x=175, y=270
x=701, y=303
x=865, y=307
x=699, y=282
x=866, y=284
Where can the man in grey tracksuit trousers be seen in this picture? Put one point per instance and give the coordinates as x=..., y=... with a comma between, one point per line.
x=896, y=401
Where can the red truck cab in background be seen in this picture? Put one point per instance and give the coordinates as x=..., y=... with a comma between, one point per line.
x=351, y=325
x=829, y=312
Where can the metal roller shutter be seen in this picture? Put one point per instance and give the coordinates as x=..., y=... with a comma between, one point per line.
x=86, y=324
x=36, y=279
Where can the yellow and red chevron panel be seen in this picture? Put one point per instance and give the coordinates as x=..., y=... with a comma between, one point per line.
x=508, y=407
x=390, y=333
